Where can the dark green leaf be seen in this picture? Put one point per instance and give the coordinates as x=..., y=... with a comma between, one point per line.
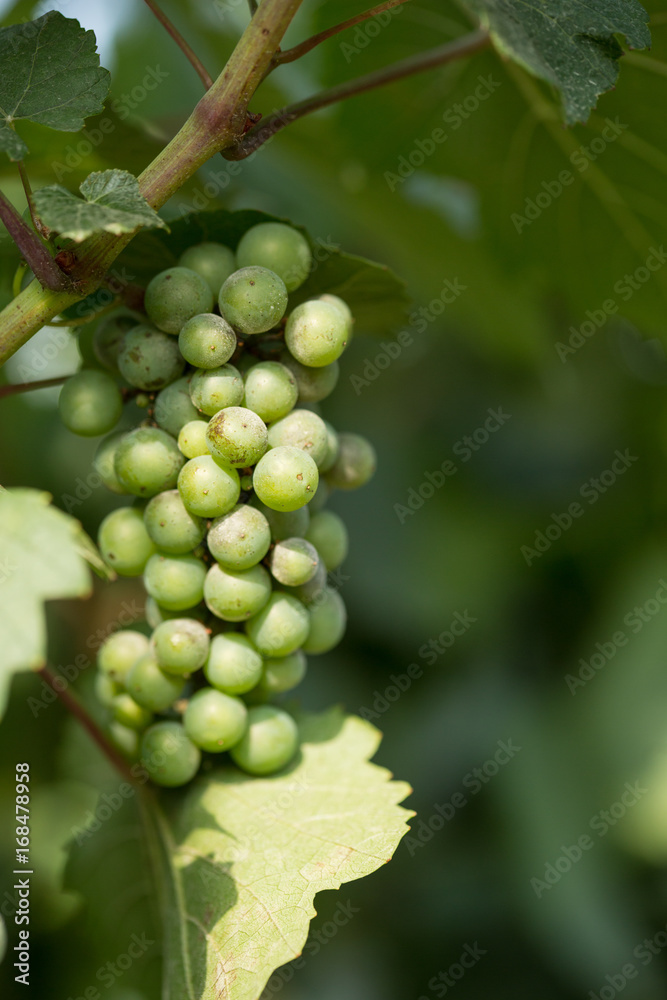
x=51, y=75
x=569, y=44
x=111, y=202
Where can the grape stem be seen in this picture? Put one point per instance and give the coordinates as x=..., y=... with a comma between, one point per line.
x=77, y=709
x=289, y=55
x=45, y=383
x=186, y=49
x=43, y=230
x=216, y=125
x=33, y=250
x=257, y=136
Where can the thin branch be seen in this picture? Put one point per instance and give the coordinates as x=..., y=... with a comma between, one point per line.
x=73, y=705
x=188, y=52
x=289, y=55
x=278, y=120
x=45, y=383
x=34, y=252
x=36, y=221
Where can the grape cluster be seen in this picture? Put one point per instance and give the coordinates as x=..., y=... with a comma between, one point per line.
x=230, y=472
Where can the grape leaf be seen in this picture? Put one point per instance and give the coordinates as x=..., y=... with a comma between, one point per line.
x=51, y=75
x=375, y=295
x=111, y=202
x=41, y=560
x=569, y=44
x=242, y=858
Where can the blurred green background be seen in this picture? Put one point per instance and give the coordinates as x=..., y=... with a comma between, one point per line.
x=466, y=875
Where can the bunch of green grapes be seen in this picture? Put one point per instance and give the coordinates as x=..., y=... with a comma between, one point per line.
x=229, y=475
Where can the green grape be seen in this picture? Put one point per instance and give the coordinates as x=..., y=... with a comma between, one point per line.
x=355, y=463
x=301, y=429
x=270, y=741
x=253, y=300
x=332, y=448
x=313, y=384
x=279, y=248
x=327, y=622
x=171, y=526
x=169, y=756
x=214, y=388
x=207, y=341
x=207, y=488
x=282, y=673
x=173, y=406
x=280, y=627
x=270, y=390
x=130, y=713
x=109, y=336
x=124, y=542
x=312, y=590
x=192, y=439
x=90, y=403
x=246, y=482
x=285, y=523
x=175, y=582
x=213, y=261
x=233, y=665
x=237, y=436
x=142, y=400
x=239, y=539
x=328, y=534
x=343, y=307
x=124, y=738
x=174, y=296
x=293, y=562
x=151, y=687
x=235, y=595
x=285, y=478
x=119, y=652
x=147, y=461
x=104, y=462
x=105, y=689
x=180, y=645
x=149, y=359
x=316, y=333
x=215, y=721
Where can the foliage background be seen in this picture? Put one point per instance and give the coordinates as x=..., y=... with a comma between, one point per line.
x=493, y=347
